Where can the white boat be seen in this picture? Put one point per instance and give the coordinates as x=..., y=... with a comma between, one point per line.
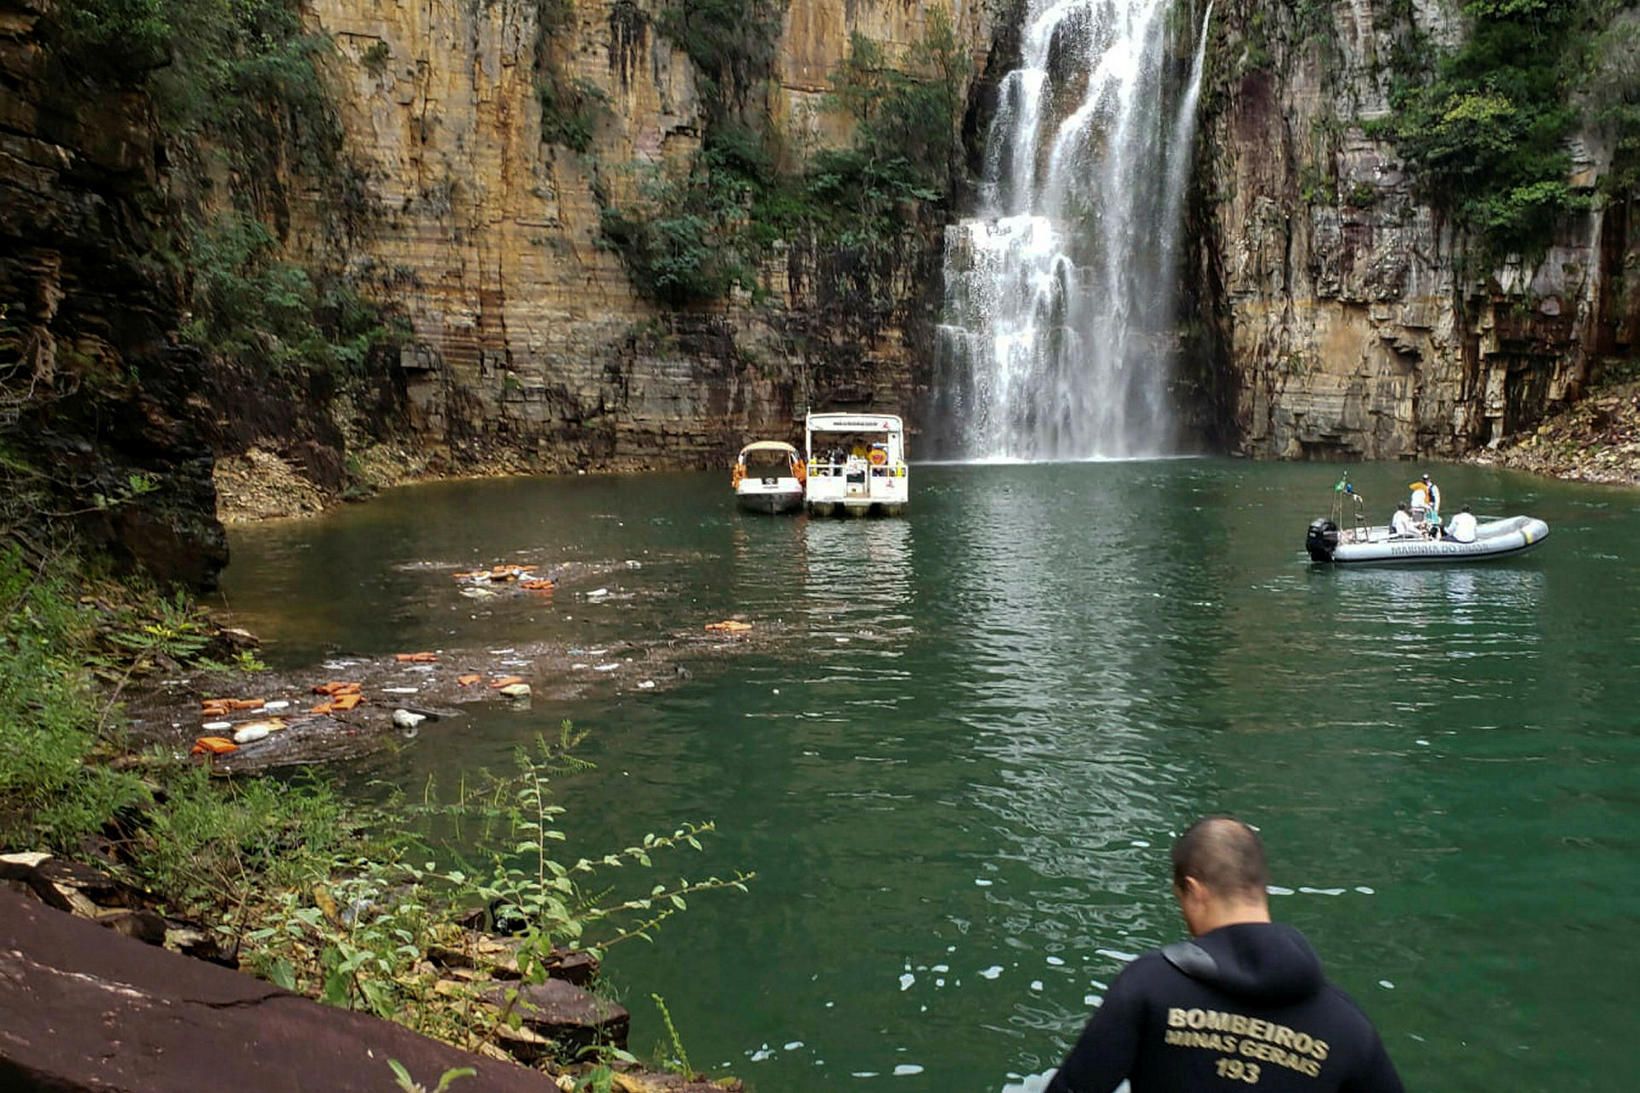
x=1495, y=537
x=856, y=465
x=768, y=477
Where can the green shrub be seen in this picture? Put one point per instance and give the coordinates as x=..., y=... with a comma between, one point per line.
x=694, y=236
x=49, y=792
x=1486, y=125
x=731, y=42
x=270, y=315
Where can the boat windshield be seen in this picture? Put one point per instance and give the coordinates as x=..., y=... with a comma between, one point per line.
x=768, y=464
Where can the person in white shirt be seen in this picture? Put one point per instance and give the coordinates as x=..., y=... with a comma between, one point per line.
x=1462, y=527
x=1401, y=523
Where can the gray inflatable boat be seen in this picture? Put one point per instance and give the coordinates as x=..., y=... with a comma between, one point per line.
x=1494, y=538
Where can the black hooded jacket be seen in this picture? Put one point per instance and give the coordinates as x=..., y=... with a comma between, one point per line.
x=1243, y=1007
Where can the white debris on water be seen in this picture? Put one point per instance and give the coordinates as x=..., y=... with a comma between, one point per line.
x=906, y=980
x=1056, y=962
x=1117, y=954
x=907, y=1069
x=992, y=972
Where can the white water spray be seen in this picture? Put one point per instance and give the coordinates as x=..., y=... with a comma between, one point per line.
x=1059, y=293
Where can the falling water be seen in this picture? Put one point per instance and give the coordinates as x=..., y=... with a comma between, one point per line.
x=1059, y=293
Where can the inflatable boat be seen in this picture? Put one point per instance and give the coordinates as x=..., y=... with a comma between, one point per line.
x=1499, y=537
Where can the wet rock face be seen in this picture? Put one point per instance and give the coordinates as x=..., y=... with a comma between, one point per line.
x=91, y=389
x=1344, y=319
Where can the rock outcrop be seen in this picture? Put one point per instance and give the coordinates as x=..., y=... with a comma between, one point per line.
x=86, y=1009
x=1342, y=317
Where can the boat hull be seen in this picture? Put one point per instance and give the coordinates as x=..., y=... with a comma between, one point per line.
x=857, y=509
x=1495, y=539
x=767, y=502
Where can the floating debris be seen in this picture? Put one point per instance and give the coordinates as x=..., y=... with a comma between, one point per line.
x=469, y=679
x=506, y=681
x=340, y=704
x=406, y=719
x=516, y=690
x=213, y=745
x=729, y=626
x=415, y=658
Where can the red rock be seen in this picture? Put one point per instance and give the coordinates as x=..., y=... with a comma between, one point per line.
x=86, y=1009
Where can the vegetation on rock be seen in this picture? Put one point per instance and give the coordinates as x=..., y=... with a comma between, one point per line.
x=694, y=235
x=1488, y=125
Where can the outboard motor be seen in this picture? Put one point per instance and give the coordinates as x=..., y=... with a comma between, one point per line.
x=1322, y=539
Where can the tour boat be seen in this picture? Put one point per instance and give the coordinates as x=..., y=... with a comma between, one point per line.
x=768, y=477
x=856, y=465
x=1495, y=537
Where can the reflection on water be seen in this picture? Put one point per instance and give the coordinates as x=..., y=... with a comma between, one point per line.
x=959, y=759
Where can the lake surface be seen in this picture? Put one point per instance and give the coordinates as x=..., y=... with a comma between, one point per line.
x=958, y=772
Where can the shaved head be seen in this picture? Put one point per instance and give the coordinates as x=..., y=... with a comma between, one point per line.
x=1223, y=855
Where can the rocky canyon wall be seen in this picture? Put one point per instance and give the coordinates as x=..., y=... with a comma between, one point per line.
x=528, y=336
x=98, y=403
x=1342, y=317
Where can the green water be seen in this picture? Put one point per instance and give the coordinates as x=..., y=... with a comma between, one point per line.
x=991, y=717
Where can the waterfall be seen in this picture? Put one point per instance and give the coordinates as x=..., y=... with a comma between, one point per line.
x=1059, y=292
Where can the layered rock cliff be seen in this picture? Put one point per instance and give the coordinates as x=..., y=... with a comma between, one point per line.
x=482, y=152
x=528, y=333
x=1343, y=316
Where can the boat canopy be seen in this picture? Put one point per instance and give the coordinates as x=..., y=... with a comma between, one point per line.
x=767, y=446
x=854, y=423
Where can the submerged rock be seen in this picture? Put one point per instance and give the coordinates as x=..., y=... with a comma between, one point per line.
x=564, y=1013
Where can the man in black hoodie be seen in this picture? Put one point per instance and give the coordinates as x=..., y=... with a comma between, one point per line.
x=1243, y=1005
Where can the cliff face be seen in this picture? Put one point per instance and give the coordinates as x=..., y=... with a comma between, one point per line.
x=528, y=335
x=1345, y=318
x=98, y=419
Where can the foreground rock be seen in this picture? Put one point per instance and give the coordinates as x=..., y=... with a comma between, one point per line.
x=86, y=1009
